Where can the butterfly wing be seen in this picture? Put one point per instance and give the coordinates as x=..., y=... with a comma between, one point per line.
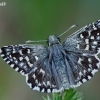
x=33, y=62
x=42, y=78
x=22, y=57
x=86, y=39
x=83, y=47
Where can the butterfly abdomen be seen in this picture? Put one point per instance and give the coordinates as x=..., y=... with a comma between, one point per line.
x=60, y=66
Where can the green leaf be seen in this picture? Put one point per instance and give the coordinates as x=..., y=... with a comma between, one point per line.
x=70, y=94
x=48, y=98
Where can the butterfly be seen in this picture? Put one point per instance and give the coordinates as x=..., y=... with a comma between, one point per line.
x=60, y=65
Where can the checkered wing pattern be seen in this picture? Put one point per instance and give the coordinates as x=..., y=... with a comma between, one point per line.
x=83, y=47
x=23, y=57
x=32, y=62
x=41, y=78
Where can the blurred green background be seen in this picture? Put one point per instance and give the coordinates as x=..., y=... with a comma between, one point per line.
x=22, y=20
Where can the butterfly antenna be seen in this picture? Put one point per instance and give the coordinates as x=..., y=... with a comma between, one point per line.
x=29, y=41
x=68, y=29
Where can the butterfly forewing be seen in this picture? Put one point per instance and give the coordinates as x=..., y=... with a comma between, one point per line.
x=87, y=39
x=22, y=57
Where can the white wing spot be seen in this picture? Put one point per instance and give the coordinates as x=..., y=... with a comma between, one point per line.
x=21, y=64
x=14, y=51
x=2, y=55
x=94, y=71
x=16, y=61
x=28, y=51
x=92, y=37
x=89, y=69
x=89, y=59
x=13, y=57
x=42, y=90
x=93, y=47
x=36, y=88
x=20, y=51
x=20, y=58
x=48, y=83
x=35, y=69
x=0, y=51
x=90, y=66
x=84, y=72
x=94, y=27
x=12, y=65
x=87, y=47
x=44, y=84
x=48, y=90
x=42, y=71
x=79, y=83
x=95, y=42
x=36, y=57
x=16, y=69
x=36, y=81
x=98, y=33
x=84, y=80
x=77, y=46
x=89, y=77
x=79, y=60
x=34, y=76
x=5, y=59
x=30, y=64
x=89, y=33
x=24, y=66
x=39, y=84
x=22, y=72
x=98, y=38
x=81, y=36
x=80, y=73
x=7, y=50
x=87, y=41
x=27, y=58
x=8, y=62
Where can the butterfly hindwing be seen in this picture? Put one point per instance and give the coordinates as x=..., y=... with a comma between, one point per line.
x=83, y=67
x=42, y=78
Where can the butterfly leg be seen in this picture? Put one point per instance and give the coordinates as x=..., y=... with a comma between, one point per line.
x=29, y=41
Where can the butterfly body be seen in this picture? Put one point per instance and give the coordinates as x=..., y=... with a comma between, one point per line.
x=60, y=65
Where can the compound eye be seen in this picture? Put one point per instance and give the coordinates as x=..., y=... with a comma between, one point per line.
x=47, y=42
x=58, y=39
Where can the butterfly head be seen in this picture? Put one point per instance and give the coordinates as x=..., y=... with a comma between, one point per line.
x=53, y=39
